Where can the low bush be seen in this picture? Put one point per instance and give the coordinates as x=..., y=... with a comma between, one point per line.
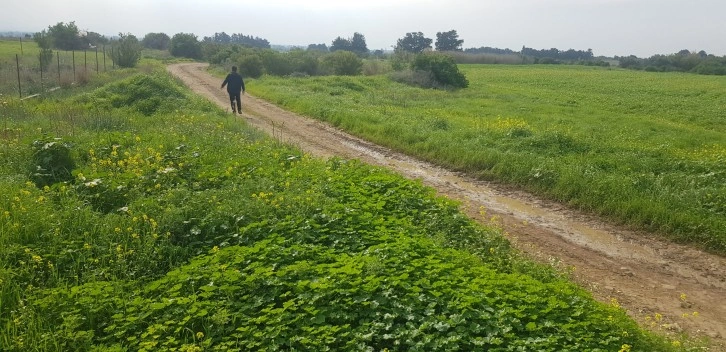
x=422, y=79
x=343, y=63
x=127, y=51
x=51, y=163
x=442, y=67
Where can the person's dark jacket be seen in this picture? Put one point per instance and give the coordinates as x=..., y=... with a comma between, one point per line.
x=234, y=83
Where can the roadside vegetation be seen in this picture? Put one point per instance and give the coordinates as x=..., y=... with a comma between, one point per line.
x=647, y=150
x=136, y=216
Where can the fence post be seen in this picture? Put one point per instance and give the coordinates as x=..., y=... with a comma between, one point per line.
x=17, y=64
x=113, y=62
x=73, y=52
x=96, y=59
x=57, y=57
x=21, y=45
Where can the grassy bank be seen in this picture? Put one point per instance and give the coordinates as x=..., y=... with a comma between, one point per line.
x=138, y=217
x=644, y=149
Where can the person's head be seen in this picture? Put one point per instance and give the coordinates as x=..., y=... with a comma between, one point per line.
x=234, y=68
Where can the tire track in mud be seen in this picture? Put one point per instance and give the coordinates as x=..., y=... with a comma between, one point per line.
x=645, y=275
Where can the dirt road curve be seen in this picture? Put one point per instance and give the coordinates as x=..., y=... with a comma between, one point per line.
x=645, y=275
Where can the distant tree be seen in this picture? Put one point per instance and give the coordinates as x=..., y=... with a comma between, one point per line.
x=343, y=63
x=631, y=62
x=66, y=36
x=185, y=45
x=127, y=50
x=413, y=42
x=92, y=39
x=43, y=40
x=318, y=47
x=490, y=50
x=222, y=38
x=158, y=41
x=341, y=43
x=553, y=54
x=238, y=38
x=448, y=41
x=358, y=44
x=249, y=41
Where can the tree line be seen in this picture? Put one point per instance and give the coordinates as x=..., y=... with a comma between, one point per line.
x=238, y=38
x=682, y=61
x=221, y=46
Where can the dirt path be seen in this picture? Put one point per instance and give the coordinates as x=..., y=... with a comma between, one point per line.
x=646, y=276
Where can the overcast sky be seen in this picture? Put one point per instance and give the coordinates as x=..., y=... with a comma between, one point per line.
x=609, y=27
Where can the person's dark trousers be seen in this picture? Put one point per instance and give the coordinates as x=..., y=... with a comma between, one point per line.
x=235, y=97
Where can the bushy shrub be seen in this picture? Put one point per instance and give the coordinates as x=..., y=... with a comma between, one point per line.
x=276, y=63
x=401, y=60
x=711, y=66
x=185, y=45
x=305, y=62
x=51, y=162
x=343, y=63
x=376, y=67
x=127, y=51
x=217, y=53
x=422, y=79
x=250, y=65
x=442, y=68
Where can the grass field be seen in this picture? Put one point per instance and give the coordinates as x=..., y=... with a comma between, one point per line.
x=138, y=217
x=644, y=149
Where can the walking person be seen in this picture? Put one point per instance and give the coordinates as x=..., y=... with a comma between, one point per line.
x=235, y=88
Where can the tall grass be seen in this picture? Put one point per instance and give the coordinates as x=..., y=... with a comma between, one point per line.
x=643, y=149
x=490, y=59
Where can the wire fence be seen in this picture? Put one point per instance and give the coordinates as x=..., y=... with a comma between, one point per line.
x=28, y=72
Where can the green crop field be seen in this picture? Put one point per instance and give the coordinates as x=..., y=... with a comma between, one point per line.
x=138, y=217
x=644, y=149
